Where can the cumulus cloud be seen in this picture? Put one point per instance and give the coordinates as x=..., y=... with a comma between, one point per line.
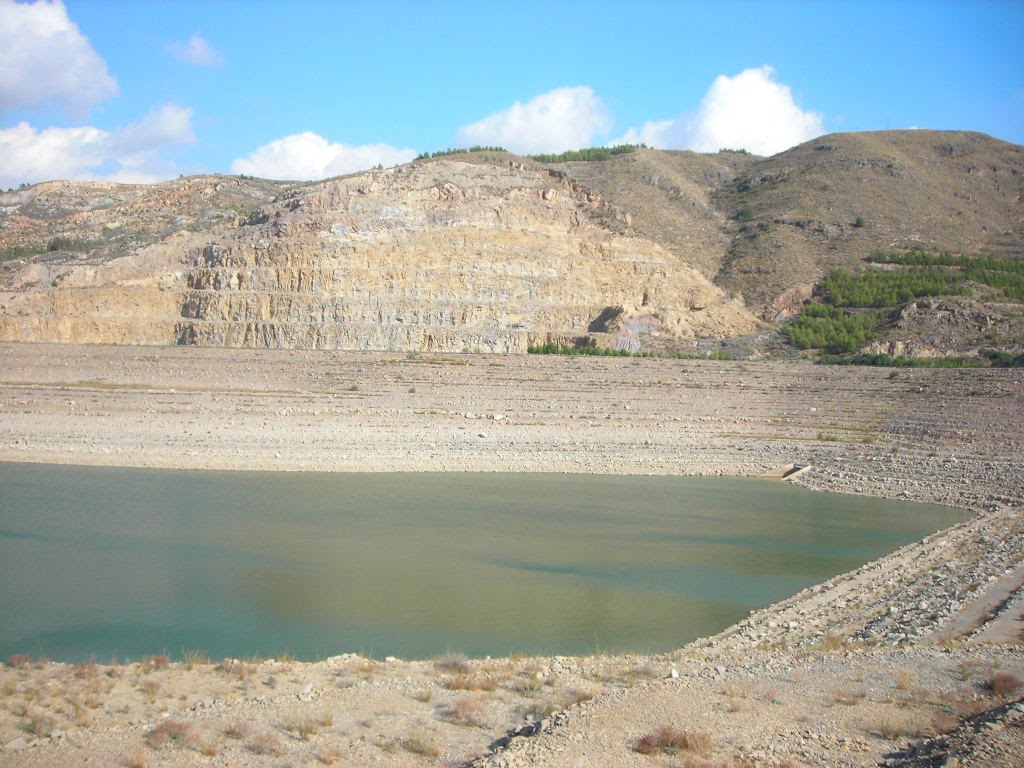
x=310, y=156
x=197, y=51
x=565, y=118
x=749, y=111
x=131, y=153
x=44, y=59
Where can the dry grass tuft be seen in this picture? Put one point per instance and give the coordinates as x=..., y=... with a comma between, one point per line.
x=904, y=680
x=174, y=731
x=137, y=759
x=453, y=661
x=424, y=695
x=669, y=740
x=423, y=746
x=329, y=754
x=18, y=661
x=194, y=658
x=469, y=710
x=894, y=727
x=1003, y=684
x=301, y=724
x=832, y=642
x=238, y=730
x=465, y=682
x=265, y=744
x=845, y=696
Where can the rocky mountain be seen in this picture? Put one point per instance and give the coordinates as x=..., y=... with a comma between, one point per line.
x=486, y=251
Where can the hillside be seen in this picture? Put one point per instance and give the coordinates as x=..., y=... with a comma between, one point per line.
x=486, y=251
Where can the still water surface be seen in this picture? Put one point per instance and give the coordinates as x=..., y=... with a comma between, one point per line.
x=98, y=562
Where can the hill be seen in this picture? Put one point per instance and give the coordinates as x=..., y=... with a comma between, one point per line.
x=485, y=251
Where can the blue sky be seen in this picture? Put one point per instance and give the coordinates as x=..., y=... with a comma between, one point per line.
x=141, y=91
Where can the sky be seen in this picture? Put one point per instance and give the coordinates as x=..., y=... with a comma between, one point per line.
x=142, y=91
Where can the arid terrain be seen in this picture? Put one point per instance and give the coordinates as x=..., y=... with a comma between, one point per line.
x=912, y=660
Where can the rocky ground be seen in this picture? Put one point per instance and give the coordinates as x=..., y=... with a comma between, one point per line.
x=912, y=660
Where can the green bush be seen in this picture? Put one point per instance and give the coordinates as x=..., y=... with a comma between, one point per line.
x=66, y=244
x=830, y=329
x=20, y=251
x=1001, y=359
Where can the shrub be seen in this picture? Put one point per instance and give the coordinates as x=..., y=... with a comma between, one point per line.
x=265, y=744
x=670, y=740
x=169, y=731
x=301, y=725
x=1003, y=684
x=453, y=661
x=420, y=745
x=469, y=710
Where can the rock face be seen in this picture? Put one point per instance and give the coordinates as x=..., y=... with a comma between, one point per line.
x=444, y=256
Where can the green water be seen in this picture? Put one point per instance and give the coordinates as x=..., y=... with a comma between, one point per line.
x=102, y=562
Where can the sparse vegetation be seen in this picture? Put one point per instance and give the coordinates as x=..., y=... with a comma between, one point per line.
x=561, y=349
x=888, y=361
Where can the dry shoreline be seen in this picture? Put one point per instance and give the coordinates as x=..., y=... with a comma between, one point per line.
x=954, y=437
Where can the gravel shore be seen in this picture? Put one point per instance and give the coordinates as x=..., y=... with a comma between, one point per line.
x=858, y=671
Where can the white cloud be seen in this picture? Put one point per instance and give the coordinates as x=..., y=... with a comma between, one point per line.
x=131, y=153
x=44, y=59
x=565, y=118
x=749, y=111
x=197, y=51
x=309, y=156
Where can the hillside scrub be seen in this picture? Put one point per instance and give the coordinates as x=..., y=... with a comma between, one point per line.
x=831, y=329
x=457, y=151
x=1006, y=274
x=593, y=153
x=871, y=288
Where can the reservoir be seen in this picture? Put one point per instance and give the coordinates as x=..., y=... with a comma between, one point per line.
x=109, y=563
